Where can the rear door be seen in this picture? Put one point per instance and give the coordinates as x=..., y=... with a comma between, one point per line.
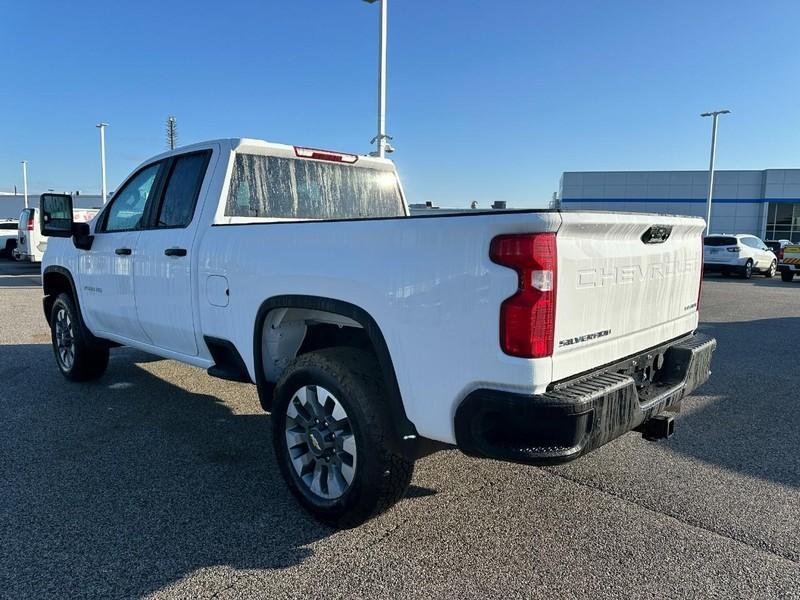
x=106, y=271
x=23, y=233
x=163, y=274
x=626, y=282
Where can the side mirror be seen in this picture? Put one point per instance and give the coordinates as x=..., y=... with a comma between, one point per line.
x=55, y=212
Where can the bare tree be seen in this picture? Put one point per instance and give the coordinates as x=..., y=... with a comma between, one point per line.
x=172, y=133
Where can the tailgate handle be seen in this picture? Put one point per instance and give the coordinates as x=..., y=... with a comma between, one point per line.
x=657, y=234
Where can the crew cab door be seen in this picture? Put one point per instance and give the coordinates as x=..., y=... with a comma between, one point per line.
x=163, y=274
x=106, y=271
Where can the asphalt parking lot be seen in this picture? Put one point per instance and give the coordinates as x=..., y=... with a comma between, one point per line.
x=159, y=481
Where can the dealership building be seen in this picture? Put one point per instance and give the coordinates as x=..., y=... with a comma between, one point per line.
x=762, y=203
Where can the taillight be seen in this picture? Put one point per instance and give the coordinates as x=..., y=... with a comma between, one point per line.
x=527, y=319
x=324, y=155
x=30, y=222
x=780, y=254
x=734, y=249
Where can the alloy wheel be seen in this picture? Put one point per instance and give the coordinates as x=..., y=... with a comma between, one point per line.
x=321, y=443
x=65, y=339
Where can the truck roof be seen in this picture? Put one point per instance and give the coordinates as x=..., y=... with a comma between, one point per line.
x=255, y=146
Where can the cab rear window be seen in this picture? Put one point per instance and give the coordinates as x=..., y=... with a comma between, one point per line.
x=719, y=241
x=285, y=188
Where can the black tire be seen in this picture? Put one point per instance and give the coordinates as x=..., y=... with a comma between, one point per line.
x=89, y=357
x=787, y=276
x=773, y=268
x=748, y=270
x=380, y=477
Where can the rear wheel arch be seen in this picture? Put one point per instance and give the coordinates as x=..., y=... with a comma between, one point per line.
x=403, y=430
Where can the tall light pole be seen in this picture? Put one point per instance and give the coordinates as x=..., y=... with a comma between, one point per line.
x=715, y=114
x=382, y=139
x=25, y=180
x=102, y=128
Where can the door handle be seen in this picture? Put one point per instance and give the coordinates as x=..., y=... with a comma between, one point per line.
x=175, y=252
x=122, y=251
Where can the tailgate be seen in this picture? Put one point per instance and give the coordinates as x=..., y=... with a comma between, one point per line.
x=622, y=288
x=791, y=255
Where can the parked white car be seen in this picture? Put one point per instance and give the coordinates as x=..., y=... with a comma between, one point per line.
x=373, y=337
x=743, y=254
x=8, y=237
x=31, y=244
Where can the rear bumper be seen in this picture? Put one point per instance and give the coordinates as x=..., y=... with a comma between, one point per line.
x=724, y=267
x=790, y=267
x=579, y=416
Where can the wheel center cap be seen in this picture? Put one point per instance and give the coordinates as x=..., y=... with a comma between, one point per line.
x=316, y=441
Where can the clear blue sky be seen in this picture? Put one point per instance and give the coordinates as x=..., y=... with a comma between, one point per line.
x=487, y=100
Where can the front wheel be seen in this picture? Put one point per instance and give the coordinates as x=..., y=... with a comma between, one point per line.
x=748, y=270
x=787, y=275
x=329, y=432
x=78, y=355
x=773, y=267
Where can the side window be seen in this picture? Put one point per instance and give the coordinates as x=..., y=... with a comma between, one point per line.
x=127, y=208
x=183, y=187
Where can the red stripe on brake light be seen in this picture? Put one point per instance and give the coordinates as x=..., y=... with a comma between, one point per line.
x=30, y=221
x=324, y=155
x=527, y=319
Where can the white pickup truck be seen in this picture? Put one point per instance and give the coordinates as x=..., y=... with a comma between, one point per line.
x=375, y=338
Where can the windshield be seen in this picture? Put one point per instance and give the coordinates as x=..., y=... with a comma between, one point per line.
x=286, y=188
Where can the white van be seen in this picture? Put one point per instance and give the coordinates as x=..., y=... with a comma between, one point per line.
x=31, y=244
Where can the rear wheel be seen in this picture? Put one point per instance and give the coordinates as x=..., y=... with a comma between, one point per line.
x=79, y=356
x=329, y=433
x=748, y=270
x=773, y=267
x=787, y=275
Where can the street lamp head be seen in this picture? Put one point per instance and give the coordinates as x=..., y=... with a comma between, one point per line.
x=102, y=125
x=371, y=1
x=714, y=113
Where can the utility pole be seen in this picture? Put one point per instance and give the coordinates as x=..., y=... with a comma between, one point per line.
x=25, y=180
x=714, y=114
x=382, y=139
x=172, y=133
x=102, y=128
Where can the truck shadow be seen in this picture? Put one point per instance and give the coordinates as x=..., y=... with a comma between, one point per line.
x=122, y=486
x=752, y=427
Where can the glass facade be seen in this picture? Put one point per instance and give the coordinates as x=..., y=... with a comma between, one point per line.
x=783, y=221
